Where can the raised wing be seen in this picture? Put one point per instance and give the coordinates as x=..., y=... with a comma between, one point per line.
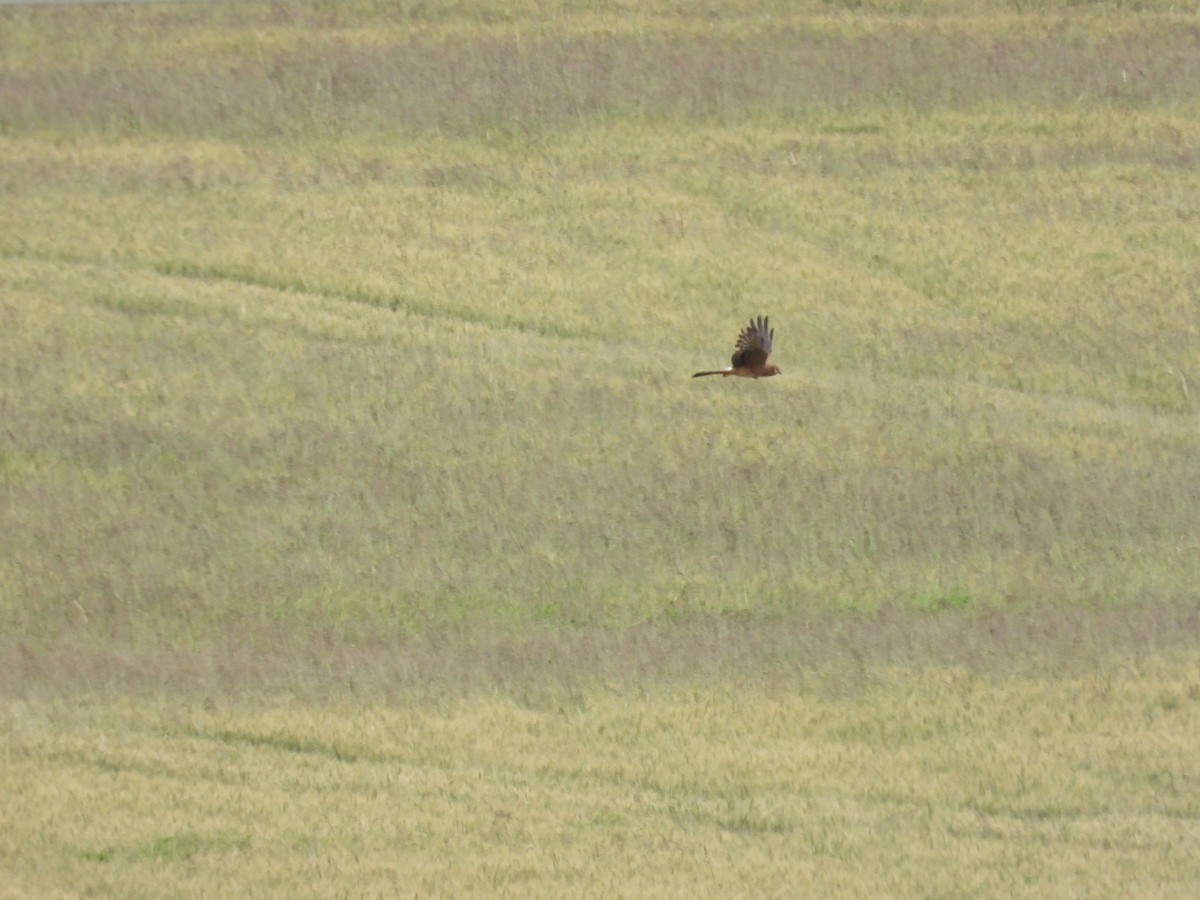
x=753, y=344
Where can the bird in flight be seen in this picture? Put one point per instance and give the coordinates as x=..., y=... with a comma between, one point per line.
x=750, y=357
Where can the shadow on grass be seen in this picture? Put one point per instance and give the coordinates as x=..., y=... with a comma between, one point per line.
x=833, y=653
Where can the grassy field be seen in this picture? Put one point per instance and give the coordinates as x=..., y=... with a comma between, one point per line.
x=933, y=784
x=361, y=528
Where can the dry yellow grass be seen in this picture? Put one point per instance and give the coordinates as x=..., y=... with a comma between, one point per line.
x=928, y=784
x=361, y=531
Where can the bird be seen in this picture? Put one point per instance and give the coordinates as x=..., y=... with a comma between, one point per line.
x=750, y=357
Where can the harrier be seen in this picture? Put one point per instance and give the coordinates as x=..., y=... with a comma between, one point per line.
x=750, y=357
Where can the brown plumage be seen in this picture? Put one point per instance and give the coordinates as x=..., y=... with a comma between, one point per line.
x=750, y=357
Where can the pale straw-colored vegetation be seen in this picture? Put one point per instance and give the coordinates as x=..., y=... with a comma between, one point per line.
x=361, y=528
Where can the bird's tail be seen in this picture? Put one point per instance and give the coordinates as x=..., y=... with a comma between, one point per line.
x=716, y=372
